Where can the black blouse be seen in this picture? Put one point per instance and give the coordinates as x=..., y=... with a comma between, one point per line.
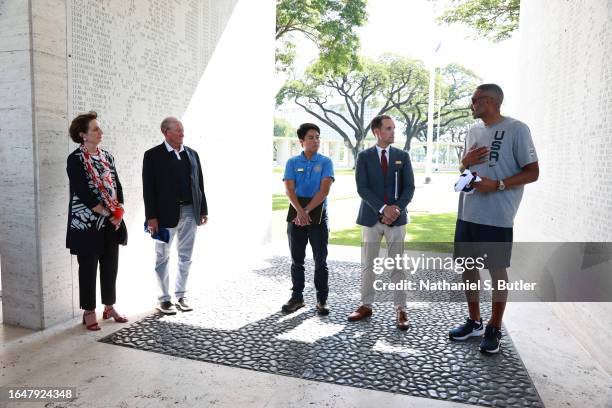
x=85, y=232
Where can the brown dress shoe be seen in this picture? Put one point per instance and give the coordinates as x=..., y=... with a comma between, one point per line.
x=402, y=320
x=361, y=313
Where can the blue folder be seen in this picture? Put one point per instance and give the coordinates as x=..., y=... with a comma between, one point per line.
x=161, y=235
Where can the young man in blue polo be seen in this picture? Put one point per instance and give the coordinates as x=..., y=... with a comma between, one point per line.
x=308, y=178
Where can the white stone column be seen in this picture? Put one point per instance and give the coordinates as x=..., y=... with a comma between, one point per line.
x=21, y=278
x=283, y=151
x=37, y=275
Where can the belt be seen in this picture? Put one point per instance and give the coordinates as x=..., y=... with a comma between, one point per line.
x=184, y=202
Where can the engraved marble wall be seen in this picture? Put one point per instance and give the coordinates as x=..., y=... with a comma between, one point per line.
x=565, y=96
x=565, y=77
x=134, y=62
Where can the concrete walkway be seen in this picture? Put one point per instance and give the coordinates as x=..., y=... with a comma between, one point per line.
x=564, y=374
x=110, y=376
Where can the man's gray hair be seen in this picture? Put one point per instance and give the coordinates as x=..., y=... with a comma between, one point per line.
x=165, y=125
x=494, y=91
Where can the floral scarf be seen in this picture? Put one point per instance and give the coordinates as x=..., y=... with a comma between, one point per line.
x=103, y=182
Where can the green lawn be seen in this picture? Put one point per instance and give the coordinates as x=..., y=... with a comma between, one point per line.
x=279, y=202
x=426, y=232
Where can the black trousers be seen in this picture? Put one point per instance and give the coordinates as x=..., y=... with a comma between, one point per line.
x=88, y=267
x=298, y=239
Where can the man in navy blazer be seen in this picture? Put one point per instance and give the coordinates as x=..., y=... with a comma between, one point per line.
x=173, y=192
x=385, y=183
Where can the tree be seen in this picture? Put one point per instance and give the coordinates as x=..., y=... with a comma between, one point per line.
x=458, y=133
x=495, y=20
x=339, y=100
x=394, y=85
x=282, y=128
x=329, y=24
x=454, y=85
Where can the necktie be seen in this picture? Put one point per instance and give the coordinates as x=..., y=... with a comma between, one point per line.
x=383, y=162
x=385, y=167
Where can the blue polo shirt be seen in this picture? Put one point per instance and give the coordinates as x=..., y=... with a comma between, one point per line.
x=308, y=174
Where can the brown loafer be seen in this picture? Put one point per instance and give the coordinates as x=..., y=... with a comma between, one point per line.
x=361, y=313
x=401, y=320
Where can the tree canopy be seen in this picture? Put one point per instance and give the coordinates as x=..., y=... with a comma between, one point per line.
x=454, y=85
x=329, y=24
x=495, y=20
x=282, y=128
x=394, y=85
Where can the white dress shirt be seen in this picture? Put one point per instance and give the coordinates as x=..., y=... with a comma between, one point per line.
x=171, y=149
x=379, y=151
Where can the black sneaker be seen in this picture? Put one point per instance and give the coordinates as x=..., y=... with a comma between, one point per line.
x=490, y=342
x=468, y=329
x=166, y=308
x=322, y=309
x=182, y=305
x=292, y=305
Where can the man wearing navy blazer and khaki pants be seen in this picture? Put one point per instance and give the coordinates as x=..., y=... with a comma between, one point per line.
x=385, y=183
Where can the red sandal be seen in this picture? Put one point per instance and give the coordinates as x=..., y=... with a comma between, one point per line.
x=111, y=312
x=89, y=320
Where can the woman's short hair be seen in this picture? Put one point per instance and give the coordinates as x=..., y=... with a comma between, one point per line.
x=80, y=124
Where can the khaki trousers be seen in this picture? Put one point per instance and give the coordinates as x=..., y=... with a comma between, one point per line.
x=371, y=238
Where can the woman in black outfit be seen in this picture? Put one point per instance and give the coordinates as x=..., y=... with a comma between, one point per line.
x=95, y=218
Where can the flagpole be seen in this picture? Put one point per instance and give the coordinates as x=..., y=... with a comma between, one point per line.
x=430, y=115
x=437, y=153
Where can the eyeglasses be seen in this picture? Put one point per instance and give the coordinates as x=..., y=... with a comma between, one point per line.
x=475, y=100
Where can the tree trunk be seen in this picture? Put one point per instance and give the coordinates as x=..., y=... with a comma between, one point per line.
x=459, y=151
x=410, y=134
x=359, y=139
x=355, y=152
x=407, y=145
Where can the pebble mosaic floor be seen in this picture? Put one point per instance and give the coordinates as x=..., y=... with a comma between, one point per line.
x=371, y=354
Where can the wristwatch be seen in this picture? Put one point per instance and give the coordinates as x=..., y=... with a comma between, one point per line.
x=306, y=210
x=501, y=186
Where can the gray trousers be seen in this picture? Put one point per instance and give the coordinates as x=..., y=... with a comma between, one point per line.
x=185, y=233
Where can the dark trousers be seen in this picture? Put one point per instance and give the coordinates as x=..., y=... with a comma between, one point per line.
x=298, y=239
x=88, y=267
